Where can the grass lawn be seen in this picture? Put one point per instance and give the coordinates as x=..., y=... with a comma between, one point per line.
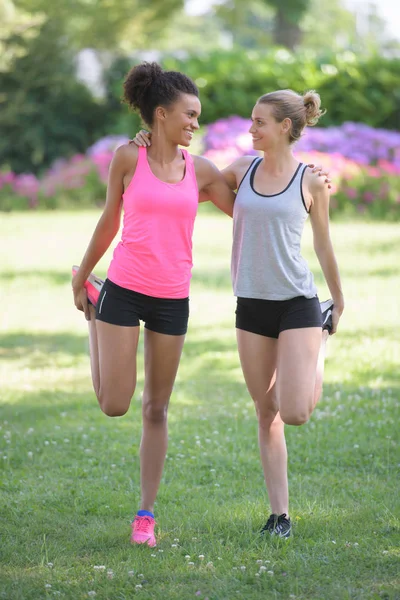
x=69, y=475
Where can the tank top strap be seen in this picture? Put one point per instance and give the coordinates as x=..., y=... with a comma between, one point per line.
x=142, y=162
x=191, y=170
x=189, y=162
x=253, y=165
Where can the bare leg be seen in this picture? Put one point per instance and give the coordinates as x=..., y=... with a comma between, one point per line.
x=113, y=363
x=162, y=356
x=258, y=355
x=296, y=373
x=320, y=368
x=94, y=350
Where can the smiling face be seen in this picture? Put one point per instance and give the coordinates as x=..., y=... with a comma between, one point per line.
x=266, y=131
x=180, y=119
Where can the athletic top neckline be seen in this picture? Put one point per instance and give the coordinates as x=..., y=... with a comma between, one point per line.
x=146, y=162
x=253, y=173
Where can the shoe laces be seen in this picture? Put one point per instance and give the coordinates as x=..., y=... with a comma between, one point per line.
x=281, y=521
x=276, y=522
x=270, y=524
x=143, y=523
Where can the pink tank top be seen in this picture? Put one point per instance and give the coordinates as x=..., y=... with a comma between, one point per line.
x=154, y=256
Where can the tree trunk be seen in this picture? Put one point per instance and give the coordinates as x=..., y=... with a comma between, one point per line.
x=287, y=32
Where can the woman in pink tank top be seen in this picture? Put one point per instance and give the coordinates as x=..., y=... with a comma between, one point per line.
x=148, y=280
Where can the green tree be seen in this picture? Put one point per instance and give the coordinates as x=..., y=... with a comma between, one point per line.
x=281, y=18
x=44, y=112
x=106, y=24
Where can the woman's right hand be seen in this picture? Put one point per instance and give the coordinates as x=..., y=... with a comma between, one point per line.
x=81, y=300
x=143, y=138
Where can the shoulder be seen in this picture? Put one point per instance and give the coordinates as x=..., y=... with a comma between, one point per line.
x=126, y=151
x=203, y=165
x=243, y=162
x=124, y=160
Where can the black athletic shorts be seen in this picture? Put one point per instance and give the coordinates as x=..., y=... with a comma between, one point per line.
x=119, y=306
x=270, y=317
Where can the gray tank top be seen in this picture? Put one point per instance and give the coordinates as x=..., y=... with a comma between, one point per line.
x=266, y=253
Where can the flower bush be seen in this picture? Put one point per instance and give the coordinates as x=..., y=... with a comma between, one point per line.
x=364, y=164
x=79, y=182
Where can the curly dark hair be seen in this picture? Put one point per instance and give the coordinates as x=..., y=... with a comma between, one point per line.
x=147, y=86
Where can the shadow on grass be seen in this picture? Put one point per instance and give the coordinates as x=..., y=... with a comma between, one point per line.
x=50, y=276
x=38, y=346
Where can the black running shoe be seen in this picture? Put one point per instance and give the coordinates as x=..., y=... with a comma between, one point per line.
x=326, y=309
x=277, y=525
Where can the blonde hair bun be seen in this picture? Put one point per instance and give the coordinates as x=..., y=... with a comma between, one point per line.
x=312, y=103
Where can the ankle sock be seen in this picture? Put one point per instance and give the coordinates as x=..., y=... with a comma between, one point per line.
x=145, y=513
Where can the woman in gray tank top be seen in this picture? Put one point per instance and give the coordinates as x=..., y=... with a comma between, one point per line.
x=281, y=328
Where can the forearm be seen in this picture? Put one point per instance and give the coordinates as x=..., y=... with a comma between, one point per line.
x=330, y=270
x=101, y=240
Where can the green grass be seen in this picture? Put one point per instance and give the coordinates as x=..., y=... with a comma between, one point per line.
x=70, y=478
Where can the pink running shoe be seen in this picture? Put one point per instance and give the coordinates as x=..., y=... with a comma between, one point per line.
x=143, y=531
x=93, y=286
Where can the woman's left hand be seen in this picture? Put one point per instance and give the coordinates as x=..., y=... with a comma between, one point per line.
x=321, y=173
x=142, y=138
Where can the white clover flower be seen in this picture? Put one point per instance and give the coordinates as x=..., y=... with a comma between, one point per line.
x=187, y=556
x=91, y=594
x=201, y=556
x=30, y=454
x=138, y=586
x=110, y=574
x=131, y=573
x=176, y=539
x=270, y=572
x=242, y=568
x=141, y=575
x=174, y=545
x=46, y=443
x=190, y=564
x=47, y=586
x=259, y=562
x=50, y=565
x=262, y=568
x=99, y=568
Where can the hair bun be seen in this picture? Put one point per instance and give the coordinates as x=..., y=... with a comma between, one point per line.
x=139, y=80
x=312, y=104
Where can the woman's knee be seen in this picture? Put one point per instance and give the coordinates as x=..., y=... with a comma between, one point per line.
x=155, y=410
x=295, y=417
x=114, y=404
x=267, y=416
